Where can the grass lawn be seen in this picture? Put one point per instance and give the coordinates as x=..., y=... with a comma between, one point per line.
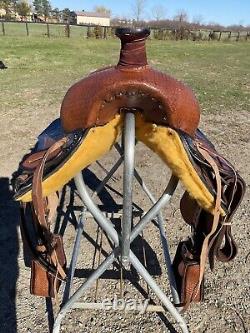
x=40, y=70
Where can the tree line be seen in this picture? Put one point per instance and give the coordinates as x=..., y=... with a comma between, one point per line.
x=42, y=10
x=39, y=9
x=179, y=22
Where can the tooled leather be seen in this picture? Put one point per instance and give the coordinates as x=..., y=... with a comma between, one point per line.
x=42, y=282
x=94, y=100
x=186, y=267
x=189, y=285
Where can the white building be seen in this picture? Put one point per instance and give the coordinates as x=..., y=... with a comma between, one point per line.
x=93, y=18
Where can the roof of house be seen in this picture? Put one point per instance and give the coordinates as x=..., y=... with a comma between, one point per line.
x=92, y=14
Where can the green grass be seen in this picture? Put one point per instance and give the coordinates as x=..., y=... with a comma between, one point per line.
x=13, y=29
x=40, y=70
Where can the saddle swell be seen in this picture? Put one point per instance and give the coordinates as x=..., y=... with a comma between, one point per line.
x=94, y=100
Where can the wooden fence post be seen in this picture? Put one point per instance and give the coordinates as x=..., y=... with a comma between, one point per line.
x=88, y=31
x=220, y=35
x=238, y=36
x=105, y=36
x=48, y=33
x=229, y=36
x=27, y=28
x=67, y=30
x=3, y=28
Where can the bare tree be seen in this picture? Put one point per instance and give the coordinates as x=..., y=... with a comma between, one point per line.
x=182, y=25
x=138, y=8
x=102, y=10
x=181, y=16
x=158, y=12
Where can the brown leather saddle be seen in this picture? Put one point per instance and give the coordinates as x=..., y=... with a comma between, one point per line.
x=91, y=120
x=133, y=84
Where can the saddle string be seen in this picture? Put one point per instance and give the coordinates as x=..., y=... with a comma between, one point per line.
x=216, y=218
x=225, y=222
x=233, y=171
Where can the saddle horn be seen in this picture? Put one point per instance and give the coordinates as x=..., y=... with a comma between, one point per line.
x=133, y=46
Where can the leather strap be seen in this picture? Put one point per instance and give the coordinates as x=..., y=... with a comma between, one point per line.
x=37, y=184
x=27, y=241
x=192, y=281
x=223, y=235
x=39, y=204
x=217, y=208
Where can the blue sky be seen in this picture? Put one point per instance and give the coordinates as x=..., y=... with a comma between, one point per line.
x=225, y=12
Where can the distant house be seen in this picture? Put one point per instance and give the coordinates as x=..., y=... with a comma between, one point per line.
x=2, y=12
x=92, y=18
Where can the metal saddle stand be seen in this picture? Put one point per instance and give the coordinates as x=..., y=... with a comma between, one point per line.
x=122, y=240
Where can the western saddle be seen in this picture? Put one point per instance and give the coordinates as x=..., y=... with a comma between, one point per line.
x=167, y=117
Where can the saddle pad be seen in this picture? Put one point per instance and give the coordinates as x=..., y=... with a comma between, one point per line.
x=164, y=141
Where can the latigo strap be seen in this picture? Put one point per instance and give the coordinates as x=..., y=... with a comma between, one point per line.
x=211, y=235
x=49, y=261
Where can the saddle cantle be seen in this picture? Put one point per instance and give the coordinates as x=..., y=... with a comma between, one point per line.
x=167, y=116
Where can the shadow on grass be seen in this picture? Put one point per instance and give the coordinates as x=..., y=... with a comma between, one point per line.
x=9, y=247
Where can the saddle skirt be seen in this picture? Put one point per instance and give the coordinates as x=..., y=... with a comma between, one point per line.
x=167, y=117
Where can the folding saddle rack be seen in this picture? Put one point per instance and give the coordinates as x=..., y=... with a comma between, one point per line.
x=135, y=102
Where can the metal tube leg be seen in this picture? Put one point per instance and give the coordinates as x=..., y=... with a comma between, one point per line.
x=93, y=277
x=104, y=223
x=168, y=262
x=154, y=210
x=159, y=293
x=123, y=243
x=74, y=257
x=108, y=176
x=164, y=242
x=128, y=175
